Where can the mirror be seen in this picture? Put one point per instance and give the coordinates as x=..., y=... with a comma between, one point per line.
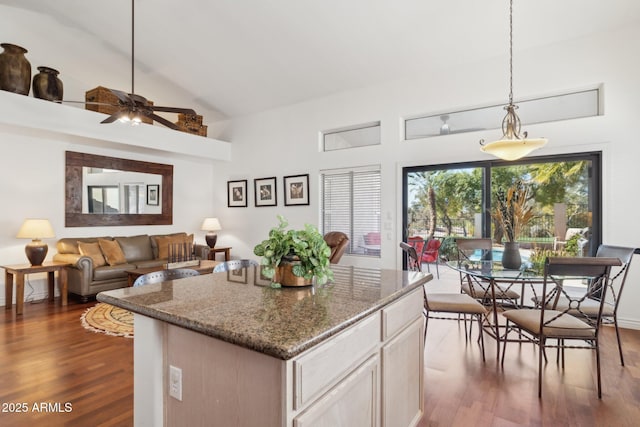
x=103, y=191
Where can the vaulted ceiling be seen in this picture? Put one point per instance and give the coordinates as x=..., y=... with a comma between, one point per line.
x=226, y=58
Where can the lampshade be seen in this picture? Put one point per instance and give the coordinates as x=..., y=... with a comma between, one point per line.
x=211, y=225
x=36, y=229
x=513, y=149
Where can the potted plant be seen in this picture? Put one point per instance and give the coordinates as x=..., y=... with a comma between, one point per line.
x=294, y=257
x=512, y=213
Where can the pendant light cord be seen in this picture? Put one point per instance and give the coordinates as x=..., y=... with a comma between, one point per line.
x=132, y=44
x=510, y=51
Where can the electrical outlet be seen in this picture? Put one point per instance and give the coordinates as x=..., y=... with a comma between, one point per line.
x=175, y=382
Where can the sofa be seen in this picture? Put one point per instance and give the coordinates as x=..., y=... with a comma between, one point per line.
x=101, y=263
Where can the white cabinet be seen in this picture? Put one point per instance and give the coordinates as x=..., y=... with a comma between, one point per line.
x=343, y=372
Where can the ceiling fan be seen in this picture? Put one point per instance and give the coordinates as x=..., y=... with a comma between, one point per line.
x=131, y=106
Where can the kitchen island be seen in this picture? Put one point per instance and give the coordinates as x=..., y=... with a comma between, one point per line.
x=347, y=353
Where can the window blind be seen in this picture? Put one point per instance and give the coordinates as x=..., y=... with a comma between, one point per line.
x=351, y=204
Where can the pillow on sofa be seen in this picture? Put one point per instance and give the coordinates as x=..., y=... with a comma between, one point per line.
x=136, y=248
x=92, y=250
x=112, y=252
x=164, y=242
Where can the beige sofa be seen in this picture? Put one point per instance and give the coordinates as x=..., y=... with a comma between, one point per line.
x=86, y=279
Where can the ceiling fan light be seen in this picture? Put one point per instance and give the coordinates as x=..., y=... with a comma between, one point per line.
x=512, y=149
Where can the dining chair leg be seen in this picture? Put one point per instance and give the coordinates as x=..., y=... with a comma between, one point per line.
x=481, y=336
x=615, y=324
x=426, y=322
x=598, y=369
x=504, y=348
x=541, y=343
x=437, y=269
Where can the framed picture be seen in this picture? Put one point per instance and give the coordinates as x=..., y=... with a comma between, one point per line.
x=238, y=276
x=153, y=194
x=237, y=194
x=265, y=191
x=296, y=190
x=259, y=279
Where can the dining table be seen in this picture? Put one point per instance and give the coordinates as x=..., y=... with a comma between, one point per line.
x=492, y=276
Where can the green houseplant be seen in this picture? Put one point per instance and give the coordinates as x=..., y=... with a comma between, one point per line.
x=302, y=252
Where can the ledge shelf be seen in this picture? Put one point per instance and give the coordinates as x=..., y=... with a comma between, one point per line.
x=33, y=113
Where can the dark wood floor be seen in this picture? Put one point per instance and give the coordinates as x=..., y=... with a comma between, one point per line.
x=47, y=357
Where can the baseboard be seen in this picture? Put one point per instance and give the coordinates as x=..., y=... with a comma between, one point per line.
x=629, y=323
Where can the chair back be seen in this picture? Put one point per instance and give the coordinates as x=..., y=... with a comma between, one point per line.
x=418, y=243
x=337, y=242
x=234, y=264
x=431, y=251
x=478, y=249
x=560, y=269
x=164, y=275
x=413, y=262
x=618, y=276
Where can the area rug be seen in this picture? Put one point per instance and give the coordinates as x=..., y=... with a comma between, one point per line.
x=107, y=319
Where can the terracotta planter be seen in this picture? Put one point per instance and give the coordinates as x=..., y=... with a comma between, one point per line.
x=15, y=69
x=284, y=275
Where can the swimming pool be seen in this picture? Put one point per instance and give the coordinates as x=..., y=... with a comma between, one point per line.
x=496, y=255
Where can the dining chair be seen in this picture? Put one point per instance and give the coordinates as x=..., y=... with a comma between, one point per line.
x=234, y=264
x=450, y=303
x=552, y=322
x=590, y=307
x=164, y=275
x=474, y=250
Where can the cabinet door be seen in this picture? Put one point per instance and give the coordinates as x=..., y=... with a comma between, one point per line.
x=352, y=402
x=402, y=377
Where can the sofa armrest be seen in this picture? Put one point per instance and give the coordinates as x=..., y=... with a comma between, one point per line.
x=78, y=261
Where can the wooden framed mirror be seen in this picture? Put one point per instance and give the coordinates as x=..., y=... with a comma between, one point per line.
x=144, y=197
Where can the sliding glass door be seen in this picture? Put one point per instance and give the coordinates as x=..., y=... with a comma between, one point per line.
x=458, y=200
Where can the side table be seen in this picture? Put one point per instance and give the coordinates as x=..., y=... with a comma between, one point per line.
x=20, y=270
x=215, y=250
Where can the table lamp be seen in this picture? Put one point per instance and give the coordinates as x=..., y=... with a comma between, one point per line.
x=36, y=229
x=210, y=225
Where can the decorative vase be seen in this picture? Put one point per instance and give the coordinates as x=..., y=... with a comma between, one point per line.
x=284, y=275
x=15, y=69
x=47, y=85
x=511, y=256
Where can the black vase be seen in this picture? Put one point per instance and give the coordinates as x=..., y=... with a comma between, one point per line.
x=15, y=69
x=511, y=256
x=47, y=85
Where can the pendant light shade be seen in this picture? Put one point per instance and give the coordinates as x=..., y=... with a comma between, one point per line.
x=511, y=146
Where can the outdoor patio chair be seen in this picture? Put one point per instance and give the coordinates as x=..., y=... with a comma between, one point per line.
x=552, y=322
x=431, y=254
x=164, y=275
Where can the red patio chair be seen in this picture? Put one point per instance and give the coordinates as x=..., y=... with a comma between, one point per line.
x=431, y=253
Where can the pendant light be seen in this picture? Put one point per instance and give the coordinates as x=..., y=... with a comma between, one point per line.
x=511, y=146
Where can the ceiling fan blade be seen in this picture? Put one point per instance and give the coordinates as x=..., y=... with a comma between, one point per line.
x=138, y=99
x=164, y=121
x=112, y=118
x=122, y=96
x=173, y=110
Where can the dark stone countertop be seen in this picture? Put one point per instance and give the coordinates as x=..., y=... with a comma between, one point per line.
x=241, y=308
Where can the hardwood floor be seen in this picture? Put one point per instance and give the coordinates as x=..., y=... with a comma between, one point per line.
x=47, y=357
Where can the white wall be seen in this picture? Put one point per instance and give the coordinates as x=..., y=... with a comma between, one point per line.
x=32, y=185
x=285, y=141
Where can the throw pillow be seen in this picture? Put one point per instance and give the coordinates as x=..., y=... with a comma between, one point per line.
x=112, y=252
x=166, y=241
x=92, y=250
